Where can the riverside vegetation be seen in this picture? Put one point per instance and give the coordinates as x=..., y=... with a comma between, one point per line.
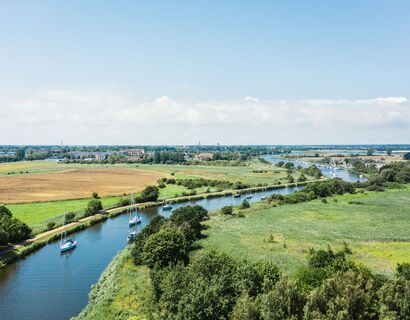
x=191, y=266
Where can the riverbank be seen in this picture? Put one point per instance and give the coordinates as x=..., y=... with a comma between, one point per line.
x=15, y=252
x=378, y=239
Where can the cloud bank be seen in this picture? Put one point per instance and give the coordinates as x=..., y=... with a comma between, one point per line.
x=100, y=116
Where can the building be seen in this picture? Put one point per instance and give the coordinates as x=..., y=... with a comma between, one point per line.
x=203, y=156
x=133, y=152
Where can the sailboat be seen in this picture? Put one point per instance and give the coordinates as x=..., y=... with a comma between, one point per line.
x=66, y=244
x=166, y=206
x=133, y=220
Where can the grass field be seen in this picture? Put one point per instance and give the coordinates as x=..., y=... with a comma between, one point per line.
x=35, y=214
x=377, y=230
x=245, y=174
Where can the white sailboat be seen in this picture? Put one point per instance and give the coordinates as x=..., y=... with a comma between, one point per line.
x=133, y=219
x=166, y=206
x=66, y=244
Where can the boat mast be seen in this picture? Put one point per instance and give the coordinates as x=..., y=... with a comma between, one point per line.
x=63, y=233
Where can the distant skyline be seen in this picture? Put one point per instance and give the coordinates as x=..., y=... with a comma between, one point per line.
x=179, y=72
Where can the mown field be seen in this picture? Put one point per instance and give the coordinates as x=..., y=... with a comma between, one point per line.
x=374, y=225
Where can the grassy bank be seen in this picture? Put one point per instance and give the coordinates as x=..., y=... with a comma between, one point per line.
x=122, y=292
x=374, y=225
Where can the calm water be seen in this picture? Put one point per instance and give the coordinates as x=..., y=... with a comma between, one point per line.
x=342, y=173
x=47, y=285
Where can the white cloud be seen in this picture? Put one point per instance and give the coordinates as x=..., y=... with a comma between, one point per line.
x=101, y=116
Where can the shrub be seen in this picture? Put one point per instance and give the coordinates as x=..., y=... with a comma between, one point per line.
x=227, y=210
x=51, y=225
x=403, y=270
x=69, y=217
x=245, y=204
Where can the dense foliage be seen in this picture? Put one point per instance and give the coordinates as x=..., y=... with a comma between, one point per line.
x=94, y=206
x=12, y=230
x=186, y=220
x=150, y=193
x=319, y=189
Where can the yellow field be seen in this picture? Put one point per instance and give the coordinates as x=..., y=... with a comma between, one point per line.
x=73, y=184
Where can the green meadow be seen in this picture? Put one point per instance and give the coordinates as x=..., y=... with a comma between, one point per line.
x=376, y=226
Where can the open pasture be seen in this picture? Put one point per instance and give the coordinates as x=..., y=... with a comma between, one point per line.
x=374, y=225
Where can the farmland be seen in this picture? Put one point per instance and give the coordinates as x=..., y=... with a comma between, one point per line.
x=72, y=184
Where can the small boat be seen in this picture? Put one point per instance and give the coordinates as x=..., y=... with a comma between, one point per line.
x=166, y=206
x=263, y=198
x=249, y=197
x=134, y=221
x=66, y=244
x=237, y=195
x=131, y=236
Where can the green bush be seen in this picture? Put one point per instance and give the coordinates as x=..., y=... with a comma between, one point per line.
x=165, y=248
x=227, y=210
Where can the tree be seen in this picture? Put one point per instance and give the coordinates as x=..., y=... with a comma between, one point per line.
x=406, y=156
x=95, y=195
x=5, y=211
x=389, y=151
x=245, y=204
x=227, y=210
x=403, y=270
x=20, y=153
x=212, y=290
x=370, y=152
x=350, y=295
x=188, y=219
x=165, y=248
x=258, y=277
x=246, y=308
x=12, y=230
x=94, y=206
x=394, y=299
x=154, y=226
x=150, y=193
x=285, y=301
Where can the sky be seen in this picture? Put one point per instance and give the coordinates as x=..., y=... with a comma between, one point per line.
x=216, y=71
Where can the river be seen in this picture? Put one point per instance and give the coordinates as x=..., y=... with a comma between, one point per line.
x=46, y=285
x=339, y=173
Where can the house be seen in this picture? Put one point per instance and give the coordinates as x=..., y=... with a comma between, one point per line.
x=203, y=156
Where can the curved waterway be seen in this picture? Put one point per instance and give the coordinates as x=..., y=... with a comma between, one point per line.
x=46, y=285
x=344, y=174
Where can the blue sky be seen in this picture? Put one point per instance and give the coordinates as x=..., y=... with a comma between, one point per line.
x=125, y=55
